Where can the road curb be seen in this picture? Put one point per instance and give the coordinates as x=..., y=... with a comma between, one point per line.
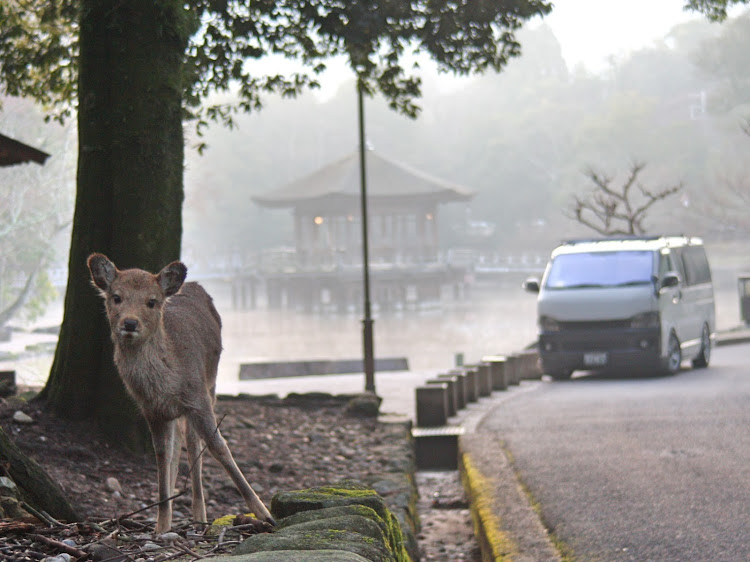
x=732, y=337
x=505, y=524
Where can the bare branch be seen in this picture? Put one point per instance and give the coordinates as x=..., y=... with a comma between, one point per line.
x=611, y=210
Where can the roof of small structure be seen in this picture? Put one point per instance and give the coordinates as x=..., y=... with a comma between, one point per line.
x=386, y=178
x=15, y=152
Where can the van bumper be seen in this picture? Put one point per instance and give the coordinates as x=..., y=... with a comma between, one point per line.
x=621, y=349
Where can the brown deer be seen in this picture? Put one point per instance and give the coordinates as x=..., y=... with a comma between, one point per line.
x=167, y=343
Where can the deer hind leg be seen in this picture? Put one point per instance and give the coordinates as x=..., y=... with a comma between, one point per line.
x=195, y=460
x=164, y=434
x=205, y=425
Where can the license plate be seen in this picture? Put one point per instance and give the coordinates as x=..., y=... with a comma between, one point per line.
x=595, y=359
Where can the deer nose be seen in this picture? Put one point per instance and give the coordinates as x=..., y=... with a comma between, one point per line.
x=130, y=325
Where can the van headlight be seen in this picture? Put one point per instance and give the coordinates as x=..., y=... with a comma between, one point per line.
x=547, y=324
x=645, y=320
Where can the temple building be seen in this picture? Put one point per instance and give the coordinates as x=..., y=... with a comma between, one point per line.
x=326, y=268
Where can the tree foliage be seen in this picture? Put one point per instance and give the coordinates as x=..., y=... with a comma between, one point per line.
x=611, y=210
x=715, y=10
x=39, y=46
x=725, y=59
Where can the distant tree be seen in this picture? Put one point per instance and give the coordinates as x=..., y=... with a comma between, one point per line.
x=35, y=206
x=136, y=69
x=610, y=210
x=725, y=59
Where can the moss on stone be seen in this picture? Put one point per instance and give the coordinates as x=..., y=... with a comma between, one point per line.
x=342, y=495
x=294, y=555
x=317, y=539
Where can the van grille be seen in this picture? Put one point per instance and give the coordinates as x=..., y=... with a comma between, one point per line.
x=595, y=326
x=599, y=336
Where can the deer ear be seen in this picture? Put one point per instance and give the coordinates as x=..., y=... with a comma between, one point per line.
x=172, y=277
x=103, y=272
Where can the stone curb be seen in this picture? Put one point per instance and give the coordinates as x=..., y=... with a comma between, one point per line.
x=505, y=523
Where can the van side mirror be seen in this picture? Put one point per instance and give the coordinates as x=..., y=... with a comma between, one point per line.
x=670, y=279
x=531, y=285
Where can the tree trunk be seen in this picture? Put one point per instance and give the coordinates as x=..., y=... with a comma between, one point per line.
x=129, y=193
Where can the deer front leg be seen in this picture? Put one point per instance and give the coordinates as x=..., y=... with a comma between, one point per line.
x=204, y=423
x=163, y=438
x=175, y=443
x=195, y=459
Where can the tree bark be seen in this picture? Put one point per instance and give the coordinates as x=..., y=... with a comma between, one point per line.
x=129, y=192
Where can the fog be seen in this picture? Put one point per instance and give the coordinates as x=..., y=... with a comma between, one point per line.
x=595, y=88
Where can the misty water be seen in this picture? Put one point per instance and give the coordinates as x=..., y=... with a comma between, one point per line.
x=496, y=317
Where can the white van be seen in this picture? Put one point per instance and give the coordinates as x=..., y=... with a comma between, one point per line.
x=626, y=304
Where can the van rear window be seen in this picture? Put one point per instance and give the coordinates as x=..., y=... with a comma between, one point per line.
x=600, y=269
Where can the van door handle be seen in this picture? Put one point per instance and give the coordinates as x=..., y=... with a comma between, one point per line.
x=677, y=296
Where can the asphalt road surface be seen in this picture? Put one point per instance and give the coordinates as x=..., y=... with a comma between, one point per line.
x=639, y=469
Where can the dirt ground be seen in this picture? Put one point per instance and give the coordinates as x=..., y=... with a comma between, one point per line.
x=277, y=445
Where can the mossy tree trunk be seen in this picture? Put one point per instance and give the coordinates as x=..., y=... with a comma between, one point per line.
x=129, y=193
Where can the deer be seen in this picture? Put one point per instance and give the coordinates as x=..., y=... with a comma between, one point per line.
x=167, y=344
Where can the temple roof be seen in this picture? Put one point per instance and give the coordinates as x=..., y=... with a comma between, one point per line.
x=386, y=178
x=15, y=152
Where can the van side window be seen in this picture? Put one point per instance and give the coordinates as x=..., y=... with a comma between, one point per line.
x=696, y=265
x=677, y=264
x=665, y=265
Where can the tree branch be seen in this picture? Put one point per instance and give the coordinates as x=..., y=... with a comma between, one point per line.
x=609, y=210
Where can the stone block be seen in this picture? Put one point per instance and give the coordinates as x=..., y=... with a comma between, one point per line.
x=498, y=372
x=432, y=405
x=437, y=448
x=451, y=383
x=458, y=387
x=472, y=386
x=484, y=380
x=512, y=364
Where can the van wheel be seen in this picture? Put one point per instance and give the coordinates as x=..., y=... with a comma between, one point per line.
x=674, y=354
x=561, y=375
x=704, y=356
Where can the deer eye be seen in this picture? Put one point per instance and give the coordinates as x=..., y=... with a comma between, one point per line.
x=151, y=303
x=116, y=299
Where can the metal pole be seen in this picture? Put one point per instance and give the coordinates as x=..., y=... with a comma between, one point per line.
x=369, y=355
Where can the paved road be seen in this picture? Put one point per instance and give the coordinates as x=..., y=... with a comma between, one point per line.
x=647, y=469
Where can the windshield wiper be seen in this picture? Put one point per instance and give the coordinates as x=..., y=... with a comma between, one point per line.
x=632, y=283
x=582, y=286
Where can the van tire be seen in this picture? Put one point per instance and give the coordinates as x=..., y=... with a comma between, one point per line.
x=704, y=356
x=674, y=355
x=561, y=375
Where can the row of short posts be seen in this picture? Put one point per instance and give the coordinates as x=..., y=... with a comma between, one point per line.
x=435, y=439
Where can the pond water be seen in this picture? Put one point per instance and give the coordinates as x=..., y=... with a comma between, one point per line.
x=497, y=317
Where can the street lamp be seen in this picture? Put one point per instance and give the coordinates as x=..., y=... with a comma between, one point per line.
x=368, y=347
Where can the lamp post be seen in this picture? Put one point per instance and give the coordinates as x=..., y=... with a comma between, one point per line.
x=368, y=347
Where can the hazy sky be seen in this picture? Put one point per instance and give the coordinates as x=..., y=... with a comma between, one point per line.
x=589, y=31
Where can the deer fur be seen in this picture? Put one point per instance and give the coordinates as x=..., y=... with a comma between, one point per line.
x=167, y=343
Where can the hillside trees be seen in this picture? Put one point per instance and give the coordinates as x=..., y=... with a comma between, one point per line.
x=35, y=205
x=134, y=70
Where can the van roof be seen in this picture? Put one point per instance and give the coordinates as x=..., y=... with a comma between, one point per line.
x=626, y=243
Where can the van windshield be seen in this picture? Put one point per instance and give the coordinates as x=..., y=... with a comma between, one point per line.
x=600, y=269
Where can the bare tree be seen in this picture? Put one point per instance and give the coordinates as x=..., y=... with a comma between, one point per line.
x=612, y=210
